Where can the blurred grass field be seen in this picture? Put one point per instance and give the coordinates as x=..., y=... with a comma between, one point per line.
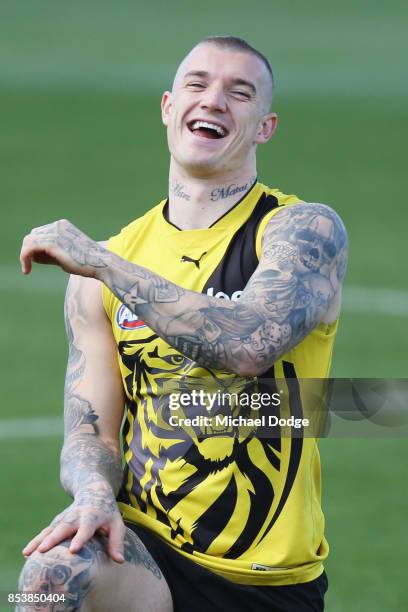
x=81, y=138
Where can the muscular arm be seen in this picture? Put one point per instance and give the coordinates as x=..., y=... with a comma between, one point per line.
x=91, y=470
x=299, y=276
x=93, y=396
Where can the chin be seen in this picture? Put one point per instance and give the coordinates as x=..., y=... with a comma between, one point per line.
x=202, y=167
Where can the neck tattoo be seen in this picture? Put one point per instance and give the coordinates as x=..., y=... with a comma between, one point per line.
x=177, y=189
x=222, y=192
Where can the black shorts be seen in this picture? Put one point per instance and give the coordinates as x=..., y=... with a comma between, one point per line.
x=194, y=588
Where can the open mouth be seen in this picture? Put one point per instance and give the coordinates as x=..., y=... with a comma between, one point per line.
x=207, y=129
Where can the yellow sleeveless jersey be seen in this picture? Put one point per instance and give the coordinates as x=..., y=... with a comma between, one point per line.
x=246, y=508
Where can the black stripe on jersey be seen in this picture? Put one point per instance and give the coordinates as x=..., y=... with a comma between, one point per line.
x=296, y=446
x=216, y=517
x=260, y=503
x=240, y=259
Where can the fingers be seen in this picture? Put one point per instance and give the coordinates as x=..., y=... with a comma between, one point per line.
x=103, y=531
x=34, y=251
x=25, y=257
x=81, y=530
x=84, y=533
x=44, y=229
x=49, y=537
x=34, y=247
x=116, y=547
x=115, y=532
x=62, y=244
x=36, y=541
x=59, y=533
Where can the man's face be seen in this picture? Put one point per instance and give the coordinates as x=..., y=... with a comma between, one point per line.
x=218, y=110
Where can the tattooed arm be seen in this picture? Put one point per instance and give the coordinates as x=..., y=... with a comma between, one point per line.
x=296, y=285
x=91, y=470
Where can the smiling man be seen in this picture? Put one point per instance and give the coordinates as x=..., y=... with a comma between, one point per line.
x=223, y=283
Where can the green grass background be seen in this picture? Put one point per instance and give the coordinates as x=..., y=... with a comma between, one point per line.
x=81, y=138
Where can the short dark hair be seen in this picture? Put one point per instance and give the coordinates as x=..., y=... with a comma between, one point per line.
x=239, y=44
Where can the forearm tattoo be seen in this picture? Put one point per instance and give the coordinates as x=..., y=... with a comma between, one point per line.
x=85, y=459
x=87, y=462
x=82, y=249
x=304, y=255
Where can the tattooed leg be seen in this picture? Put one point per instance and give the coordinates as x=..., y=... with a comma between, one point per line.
x=91, y=581
x=58, y=571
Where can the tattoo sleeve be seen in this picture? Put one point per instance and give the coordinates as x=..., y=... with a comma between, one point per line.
x=304, y=254
x=86, y=460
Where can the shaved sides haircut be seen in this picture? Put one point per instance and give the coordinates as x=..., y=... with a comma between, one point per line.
x=234, y=43
x=239, y=44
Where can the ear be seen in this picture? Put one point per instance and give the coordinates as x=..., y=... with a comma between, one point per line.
x=166, y=106
x=266, y=128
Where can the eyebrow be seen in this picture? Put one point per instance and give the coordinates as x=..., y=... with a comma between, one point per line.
x=245, y=83
x=236, y=81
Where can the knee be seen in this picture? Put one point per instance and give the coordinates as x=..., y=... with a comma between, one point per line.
x=59, y=571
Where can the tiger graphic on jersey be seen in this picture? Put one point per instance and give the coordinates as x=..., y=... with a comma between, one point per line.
x=155, y=372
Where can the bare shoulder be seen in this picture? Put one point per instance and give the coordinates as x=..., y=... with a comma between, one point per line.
x=317, y=218
x=312, y=236
x=305, y=246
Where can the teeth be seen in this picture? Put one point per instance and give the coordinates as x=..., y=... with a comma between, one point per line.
x=212, y=126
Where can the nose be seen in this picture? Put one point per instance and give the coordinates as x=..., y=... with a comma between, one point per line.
x=213, y=98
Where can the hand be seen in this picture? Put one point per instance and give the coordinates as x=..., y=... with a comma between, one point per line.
x=93, y=510
x=62, y=244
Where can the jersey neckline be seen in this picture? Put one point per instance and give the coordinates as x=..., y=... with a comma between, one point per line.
x=165, y=208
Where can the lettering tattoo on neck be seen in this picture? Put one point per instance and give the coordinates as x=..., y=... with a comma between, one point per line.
x=177, y=189
x=221, y=193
